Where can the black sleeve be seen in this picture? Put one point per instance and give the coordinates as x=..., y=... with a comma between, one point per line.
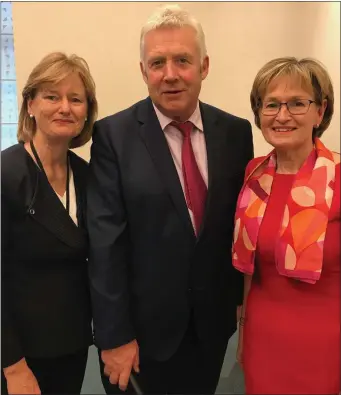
x=248, y=155
x=109, y=244
x=11, y=351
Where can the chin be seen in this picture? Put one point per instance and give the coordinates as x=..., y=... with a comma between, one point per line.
x=279, y=140
x=174, y=105
x=66, y=134
x=284, y=144
x=172, y=110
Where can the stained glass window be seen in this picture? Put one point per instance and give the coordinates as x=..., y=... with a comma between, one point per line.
x=9, y=104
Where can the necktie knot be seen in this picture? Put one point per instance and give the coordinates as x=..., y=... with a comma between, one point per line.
x=184, y=127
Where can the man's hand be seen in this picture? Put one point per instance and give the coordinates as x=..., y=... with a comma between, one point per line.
x=119, y=361
x=20, y=379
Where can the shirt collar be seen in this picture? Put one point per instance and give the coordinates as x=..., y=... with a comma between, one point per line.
x=195, y=118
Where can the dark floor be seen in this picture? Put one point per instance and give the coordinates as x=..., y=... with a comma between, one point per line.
x=231, y=380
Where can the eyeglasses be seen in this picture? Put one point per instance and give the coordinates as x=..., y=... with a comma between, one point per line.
x=295, y=107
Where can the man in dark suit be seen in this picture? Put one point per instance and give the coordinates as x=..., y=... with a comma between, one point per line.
x=164, y=180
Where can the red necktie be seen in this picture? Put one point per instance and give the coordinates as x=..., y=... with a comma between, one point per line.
x=195, y=187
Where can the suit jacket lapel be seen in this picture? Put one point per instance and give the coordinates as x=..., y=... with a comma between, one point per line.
x=213, y=148
x=156, y=143
x=80, y=178
x=48, y=210
x=220, y=160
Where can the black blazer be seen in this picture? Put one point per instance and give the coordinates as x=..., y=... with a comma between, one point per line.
x=148, y=271
x=46, y=308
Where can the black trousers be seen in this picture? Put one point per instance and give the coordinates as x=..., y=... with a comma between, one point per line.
x=61, y=375
x=193, y=369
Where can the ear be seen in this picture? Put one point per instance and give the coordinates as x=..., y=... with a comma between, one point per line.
x=30, y=106
x=321, y=110
x=143, y=72
x=205, y=67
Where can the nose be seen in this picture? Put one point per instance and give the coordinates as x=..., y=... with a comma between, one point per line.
x=283, y=113
x=64, y=106
x=170, y=72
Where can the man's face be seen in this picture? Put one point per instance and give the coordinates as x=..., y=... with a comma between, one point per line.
x=172, y=70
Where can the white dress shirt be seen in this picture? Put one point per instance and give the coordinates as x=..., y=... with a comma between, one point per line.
x=73, y=201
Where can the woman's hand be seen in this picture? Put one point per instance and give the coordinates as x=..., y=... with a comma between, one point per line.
x=20, y=379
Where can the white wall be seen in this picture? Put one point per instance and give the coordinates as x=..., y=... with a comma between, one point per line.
x=241, y=37
x=325, y=30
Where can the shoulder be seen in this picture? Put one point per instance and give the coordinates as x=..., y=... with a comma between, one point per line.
x=13, y=163
x=12, y=154
x=336, y=157
x=225, y=116
x=120, y=125
x=18, y=174
x=237, y=129
x=79, y=161
x=120, y=118
x=337, y=160
x=80, y=167
x=253, y=164
x=255, y=161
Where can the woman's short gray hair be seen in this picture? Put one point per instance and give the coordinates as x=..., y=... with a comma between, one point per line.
x=173, y=16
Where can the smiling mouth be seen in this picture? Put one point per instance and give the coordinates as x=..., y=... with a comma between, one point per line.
x=283, y=130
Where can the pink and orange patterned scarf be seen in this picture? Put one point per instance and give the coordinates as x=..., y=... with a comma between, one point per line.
x=299, y=249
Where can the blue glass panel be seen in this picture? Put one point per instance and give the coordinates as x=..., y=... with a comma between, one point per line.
x=7, y=58
x=8, y=135
x=6, y=18
x=9, y=105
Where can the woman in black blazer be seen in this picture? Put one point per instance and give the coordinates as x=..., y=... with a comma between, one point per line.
x=46, y=308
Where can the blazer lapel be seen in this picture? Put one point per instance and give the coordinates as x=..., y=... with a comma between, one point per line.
x=80, y=178
x=213, y=148
x=156, y=143
x=221, y=156
x=48, y=210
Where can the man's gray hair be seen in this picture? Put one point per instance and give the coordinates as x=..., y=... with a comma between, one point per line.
x=173, y=16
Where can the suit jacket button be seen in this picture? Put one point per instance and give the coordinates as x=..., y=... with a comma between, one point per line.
x=32, y=212
x=189, y=289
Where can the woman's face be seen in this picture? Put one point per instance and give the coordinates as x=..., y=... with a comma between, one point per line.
x=60, y=109
x=289, y=130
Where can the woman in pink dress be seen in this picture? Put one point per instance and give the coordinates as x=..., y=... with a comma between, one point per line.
x=287, y=237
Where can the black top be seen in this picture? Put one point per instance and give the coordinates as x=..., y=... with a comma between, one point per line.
x=45, y=296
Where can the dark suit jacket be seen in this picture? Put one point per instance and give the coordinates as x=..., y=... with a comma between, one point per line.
x=46, y=308
x=148, y=271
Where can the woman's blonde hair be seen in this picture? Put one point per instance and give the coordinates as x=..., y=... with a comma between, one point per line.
x=313, y=76
x=53, y=68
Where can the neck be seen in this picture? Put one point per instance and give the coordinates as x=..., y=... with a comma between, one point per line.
x=52, y=152
x=290, y=161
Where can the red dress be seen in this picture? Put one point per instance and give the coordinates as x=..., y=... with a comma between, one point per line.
x=292, y=329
